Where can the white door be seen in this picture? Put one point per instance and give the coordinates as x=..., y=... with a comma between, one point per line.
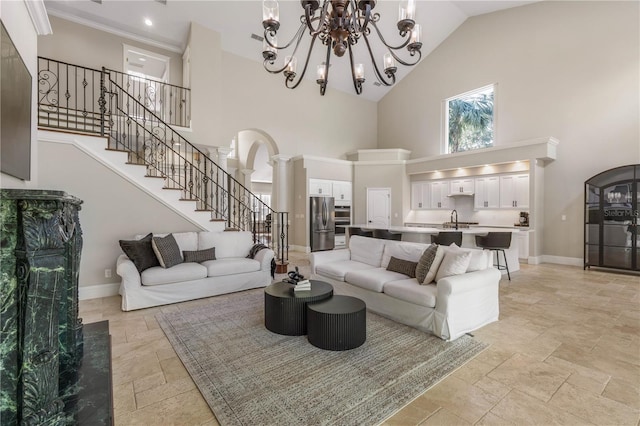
x=378, y=207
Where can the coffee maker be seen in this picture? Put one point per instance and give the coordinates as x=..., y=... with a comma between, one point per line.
x=524, y=219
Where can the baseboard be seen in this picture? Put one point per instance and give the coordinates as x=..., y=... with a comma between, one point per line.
x=562, y=260
x=98, y=291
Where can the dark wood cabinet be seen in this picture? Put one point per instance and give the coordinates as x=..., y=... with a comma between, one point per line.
x=611, y=233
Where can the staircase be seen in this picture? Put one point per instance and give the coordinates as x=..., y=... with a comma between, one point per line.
x=144, y=148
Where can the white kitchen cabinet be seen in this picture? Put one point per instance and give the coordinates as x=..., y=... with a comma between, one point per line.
x=487, y=192
x=320, y=187
x=338, y=189
x=341, y=191
x=440, y=195
x=420, y=195
x=461, y=186
x=522, y=240
x=514, y=191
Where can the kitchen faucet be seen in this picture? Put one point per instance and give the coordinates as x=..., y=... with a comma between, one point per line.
x=456, y=222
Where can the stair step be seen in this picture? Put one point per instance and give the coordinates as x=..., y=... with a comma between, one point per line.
x=218, y=220
x=204, y=210
x=151, y=176
x=117, y=150
x=188, y=199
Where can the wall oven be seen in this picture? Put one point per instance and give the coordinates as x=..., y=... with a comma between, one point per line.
x=342, y=219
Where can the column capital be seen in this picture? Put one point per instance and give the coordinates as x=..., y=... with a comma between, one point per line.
x=280, y=158
x=246, y=171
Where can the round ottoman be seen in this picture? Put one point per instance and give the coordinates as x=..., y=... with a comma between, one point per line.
x=337, y=324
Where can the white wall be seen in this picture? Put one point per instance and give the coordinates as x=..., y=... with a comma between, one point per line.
x=81, y=45
x=300, y=121
x=17, y=21
x=564, y=69
x=112, y=209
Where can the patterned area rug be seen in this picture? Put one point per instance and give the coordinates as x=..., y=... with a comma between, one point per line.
x=251, y=376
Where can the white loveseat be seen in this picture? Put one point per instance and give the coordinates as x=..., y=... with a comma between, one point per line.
x=453, y=306
x=231, y=271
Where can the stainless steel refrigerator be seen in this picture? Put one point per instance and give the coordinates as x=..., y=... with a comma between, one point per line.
x=322, y=227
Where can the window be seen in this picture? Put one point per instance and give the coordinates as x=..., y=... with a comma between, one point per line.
x=470, y=120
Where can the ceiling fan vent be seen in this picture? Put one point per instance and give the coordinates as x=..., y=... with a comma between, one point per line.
x=375, y=83
x=257, y=37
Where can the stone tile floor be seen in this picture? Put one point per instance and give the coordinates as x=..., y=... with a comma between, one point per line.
x=565, y=351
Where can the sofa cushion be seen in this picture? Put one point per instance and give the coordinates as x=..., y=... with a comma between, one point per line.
x=338, y=269
x=405, y=267
x=401, y=250
x=140, y=251
x=227, y=243
x=230, y=266
x=425, y=261
x=179, y=273
x=433, y=269
x=366, y=250
x=372, y=279
x=167, y=251
x=185, y=240
x=479, y=258
x=410, y=291
x=199, y=256
x=454, y=263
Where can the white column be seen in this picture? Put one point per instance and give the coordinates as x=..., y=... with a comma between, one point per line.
x=222, y=152
x=281, y=187
x=246, y=177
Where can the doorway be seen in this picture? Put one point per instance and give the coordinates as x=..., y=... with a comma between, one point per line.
x=378, y=207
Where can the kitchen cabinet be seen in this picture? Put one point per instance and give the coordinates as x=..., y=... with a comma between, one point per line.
x=320, y=187
x=341, y=191
x=420, y=195
x=487, y=192
x=440, y=195
x=514, y=191
x=461, y=186
x=522, y=241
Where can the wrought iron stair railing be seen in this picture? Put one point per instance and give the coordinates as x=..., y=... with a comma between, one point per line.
x=93, y=101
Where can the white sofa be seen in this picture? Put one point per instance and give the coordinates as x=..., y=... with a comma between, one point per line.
x=453, y=306
x=231, y=271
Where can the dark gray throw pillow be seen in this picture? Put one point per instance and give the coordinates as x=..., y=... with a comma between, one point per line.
x=167, y=251
x=424, y=264
x=402, y=266
x=199, y=256
x=140, y=252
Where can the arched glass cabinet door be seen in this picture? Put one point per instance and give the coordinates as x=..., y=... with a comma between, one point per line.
x=611, y=233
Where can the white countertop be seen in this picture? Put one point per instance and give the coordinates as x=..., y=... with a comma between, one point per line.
x=475, y=230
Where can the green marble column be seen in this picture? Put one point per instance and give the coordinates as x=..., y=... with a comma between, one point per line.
x=40, y=329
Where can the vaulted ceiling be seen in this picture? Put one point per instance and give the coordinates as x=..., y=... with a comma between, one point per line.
x=238, y=20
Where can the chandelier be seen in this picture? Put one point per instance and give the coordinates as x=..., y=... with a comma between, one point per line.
x=339, y=25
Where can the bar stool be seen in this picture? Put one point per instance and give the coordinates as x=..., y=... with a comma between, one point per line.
x=386, y=235
x=361, y=232
x=498, y=242
x=446, y=238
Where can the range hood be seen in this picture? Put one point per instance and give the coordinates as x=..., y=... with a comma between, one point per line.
x=461, y=194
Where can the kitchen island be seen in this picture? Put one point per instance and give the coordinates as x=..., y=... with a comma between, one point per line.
x=419, y=234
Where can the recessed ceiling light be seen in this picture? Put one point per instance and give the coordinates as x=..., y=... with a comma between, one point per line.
x=148, y=22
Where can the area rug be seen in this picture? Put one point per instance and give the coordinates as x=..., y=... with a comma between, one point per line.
x=251, y=376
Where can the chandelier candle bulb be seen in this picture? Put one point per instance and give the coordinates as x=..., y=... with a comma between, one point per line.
x=389, y=63
x=358, y=70
x=270, y=10
x=321, y=73
x=407, y=10
x=292, y=63
x=415, y=42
